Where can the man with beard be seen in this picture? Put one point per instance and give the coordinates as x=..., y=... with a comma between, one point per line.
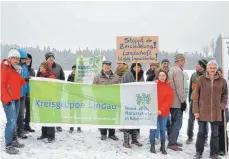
x=210, y=98
x=165, y=65
x=106, y=77
x=129, y=77
x=200, y=70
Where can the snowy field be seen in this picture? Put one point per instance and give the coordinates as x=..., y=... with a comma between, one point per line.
x=87, y=145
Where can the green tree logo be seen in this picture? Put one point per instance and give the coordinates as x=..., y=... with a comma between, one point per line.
x=143, y=99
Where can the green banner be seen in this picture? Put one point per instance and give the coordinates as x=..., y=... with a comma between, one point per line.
x=86, y=68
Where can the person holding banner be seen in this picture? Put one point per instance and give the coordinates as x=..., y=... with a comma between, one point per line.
x=56, y=69
x=11, y=83
x=121, y=69
x=165, y=97
x=71, y=78
x=106, y=77
x=47, y=132
x=176, y=78
x=222, y=128
x=129, y=77
x=210, y=98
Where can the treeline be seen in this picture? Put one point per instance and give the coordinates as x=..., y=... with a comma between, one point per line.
x=67, y=57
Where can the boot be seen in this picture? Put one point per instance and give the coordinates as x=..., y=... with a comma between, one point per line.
x=126, y=143
x=162, y=149
x=79, y=130
x=42, y=137
x=152, y=147
x=215, y=157
x=189, y=141
x=59, y=129
x=17, y=144
x=197, y=156
x=71, y=130
x=29, y=129
x=11, y=150
x=134, y=138
x=22, y=135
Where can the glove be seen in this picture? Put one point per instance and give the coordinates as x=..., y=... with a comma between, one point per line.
x=27, y=79
x=183, y=106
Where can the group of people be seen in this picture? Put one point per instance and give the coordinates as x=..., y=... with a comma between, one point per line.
x=207, y=95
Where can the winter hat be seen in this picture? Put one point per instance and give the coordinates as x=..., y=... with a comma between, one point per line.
x=14, y=53
x=220, y=69
x=23, y=53
x=74, y=66
x=107, y=62
x=203, y=63
x=178, y=57
x=49, y=54
x=164, y=60
x=134, y=64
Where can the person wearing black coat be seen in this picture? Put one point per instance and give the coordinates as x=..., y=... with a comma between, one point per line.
x=27, y=98
x=71, y=78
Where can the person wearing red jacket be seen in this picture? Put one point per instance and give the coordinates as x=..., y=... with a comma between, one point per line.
x=47, y=132
x=11, y=83
x=165, y=97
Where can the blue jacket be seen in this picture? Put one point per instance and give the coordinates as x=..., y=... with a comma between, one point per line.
x=24, y=72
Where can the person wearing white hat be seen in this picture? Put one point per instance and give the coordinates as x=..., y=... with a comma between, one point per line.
x=11, y=83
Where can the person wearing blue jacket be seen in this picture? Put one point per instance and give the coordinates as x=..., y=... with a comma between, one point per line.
x=24, y=93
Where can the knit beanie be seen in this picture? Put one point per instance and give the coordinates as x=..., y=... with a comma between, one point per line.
x=203, y=63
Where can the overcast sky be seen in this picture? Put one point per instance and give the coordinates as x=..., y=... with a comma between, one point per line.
x=186, y=26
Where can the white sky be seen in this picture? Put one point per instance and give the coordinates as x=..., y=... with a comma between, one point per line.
x=186, y=26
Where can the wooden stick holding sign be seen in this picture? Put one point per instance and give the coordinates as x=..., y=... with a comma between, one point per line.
x=136, y=71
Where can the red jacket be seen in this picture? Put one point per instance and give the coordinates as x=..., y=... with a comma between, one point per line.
x=165, y=97
x=48, y=75
x=11, y=83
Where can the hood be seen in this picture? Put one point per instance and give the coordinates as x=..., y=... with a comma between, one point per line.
x=23, y=53
x=30, y=65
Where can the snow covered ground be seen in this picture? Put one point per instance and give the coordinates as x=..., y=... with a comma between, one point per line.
x=87, y=145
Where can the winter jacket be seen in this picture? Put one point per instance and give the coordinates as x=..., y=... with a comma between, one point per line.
x=56, y=70
x=24, y=73
x=11, y=83
x=48, y=75
x=165, y=96
x=192, y=84
x=176, y=78
x=102, y=79
x=128, y=77
x=71, y=77
x=121, y=71
x=210, y=98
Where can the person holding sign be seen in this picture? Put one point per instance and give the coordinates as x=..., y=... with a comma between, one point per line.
x=129, y=77
x=165, y=97
x=71, y=78
x=47, y=132
x=222, y=128
x=106, y=77
x=210, y=98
